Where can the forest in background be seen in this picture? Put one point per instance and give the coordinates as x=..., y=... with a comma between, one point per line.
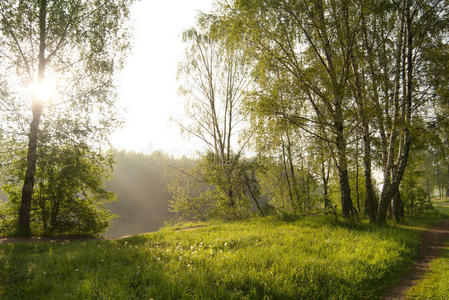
x=139, y=181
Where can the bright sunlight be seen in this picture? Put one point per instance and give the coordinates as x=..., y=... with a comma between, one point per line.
x=45, y=90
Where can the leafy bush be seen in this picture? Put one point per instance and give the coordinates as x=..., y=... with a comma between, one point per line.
x=69, y=195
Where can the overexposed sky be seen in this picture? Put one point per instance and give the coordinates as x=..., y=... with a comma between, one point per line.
x=148, y=91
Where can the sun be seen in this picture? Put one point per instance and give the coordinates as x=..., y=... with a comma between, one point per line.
x=44, y=90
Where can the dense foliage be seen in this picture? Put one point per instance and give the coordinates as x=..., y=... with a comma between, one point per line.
x=343, y=105
x=69, y=197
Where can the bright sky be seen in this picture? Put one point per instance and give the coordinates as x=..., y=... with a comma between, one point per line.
x=148, y=91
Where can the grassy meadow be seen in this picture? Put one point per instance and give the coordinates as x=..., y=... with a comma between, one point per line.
x=312, y=258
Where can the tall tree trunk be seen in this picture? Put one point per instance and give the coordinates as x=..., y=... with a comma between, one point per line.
x=357, y=173
x=427, y=189
x=397, y=170
x=308, y=191
x=398, y=208
x=360, y=91
x=388, y=191
x=292, y=170
x=28, y=184
x=325, y=178
x=253, y=196
x=286, y=176
x=342, y=165
x=371, y=199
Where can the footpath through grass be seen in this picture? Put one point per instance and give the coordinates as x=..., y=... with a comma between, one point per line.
x=313, y=258
x=435, y=284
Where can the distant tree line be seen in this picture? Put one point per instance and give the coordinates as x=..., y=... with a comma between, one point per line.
x=140, y=183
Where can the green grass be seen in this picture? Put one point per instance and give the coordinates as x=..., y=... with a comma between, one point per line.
x=444, y=202
x=312, y=258
x=435, y=284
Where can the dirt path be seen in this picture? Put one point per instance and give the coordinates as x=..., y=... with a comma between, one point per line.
x=432, y=242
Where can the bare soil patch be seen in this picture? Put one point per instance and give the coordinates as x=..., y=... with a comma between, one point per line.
x=433, y=242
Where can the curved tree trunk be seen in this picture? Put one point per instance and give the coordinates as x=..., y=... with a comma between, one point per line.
x=396, y=170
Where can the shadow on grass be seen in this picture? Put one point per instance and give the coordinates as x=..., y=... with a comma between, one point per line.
x=17, y=262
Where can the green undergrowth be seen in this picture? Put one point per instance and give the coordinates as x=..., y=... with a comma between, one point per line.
x=262, y=258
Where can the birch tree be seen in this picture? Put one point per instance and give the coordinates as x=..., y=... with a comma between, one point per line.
x=79, y=42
